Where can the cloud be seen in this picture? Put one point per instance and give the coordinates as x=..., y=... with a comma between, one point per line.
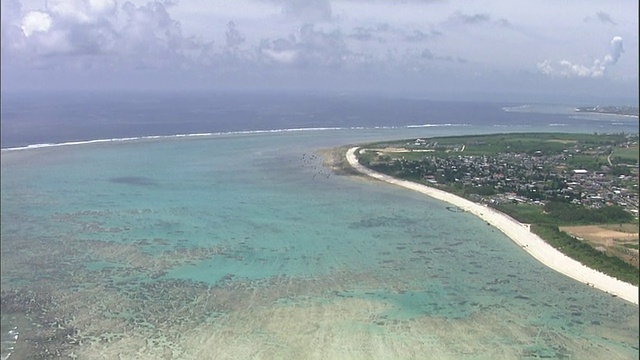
x=280, y=51
x=428, y=55
x=384, y=33
x=420, y=36
x=470, y=19
x=566, y=68
x=602, y=17
x=11, y=26
x=233, y=36
x=306, y=10
x=35, y=21
x=365, y=34
x=90, y=33
x=10, y=10
x=478, y=19
x=504, y=23
x=616, y=49
x=149, y=42
x=81, y=11
x=311, y=48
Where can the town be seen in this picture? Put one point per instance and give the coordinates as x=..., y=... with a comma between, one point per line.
x=580, y=173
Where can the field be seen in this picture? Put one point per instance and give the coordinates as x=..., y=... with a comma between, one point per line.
x=629, y=154
x=593, y=157
x=620, y=240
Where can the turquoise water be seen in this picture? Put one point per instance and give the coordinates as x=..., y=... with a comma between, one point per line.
x=245, y=246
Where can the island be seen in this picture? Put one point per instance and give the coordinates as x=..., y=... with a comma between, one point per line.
x=577, y=192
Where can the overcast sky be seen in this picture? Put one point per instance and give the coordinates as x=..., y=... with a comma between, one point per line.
x=554, y=49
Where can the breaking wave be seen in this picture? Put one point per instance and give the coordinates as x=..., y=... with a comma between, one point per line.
x=211, y=134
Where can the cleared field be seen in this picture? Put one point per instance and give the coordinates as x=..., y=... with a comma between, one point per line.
x=601, y=233
x=625, y=228
x=610, y=238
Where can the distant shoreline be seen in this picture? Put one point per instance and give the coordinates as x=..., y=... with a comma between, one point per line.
x=518, y=232
x=625, y=111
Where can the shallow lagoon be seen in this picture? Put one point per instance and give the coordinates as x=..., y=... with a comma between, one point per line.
x=245, y=246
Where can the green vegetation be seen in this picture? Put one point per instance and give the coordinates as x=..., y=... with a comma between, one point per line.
x=526, y=213
x=527, y=143
x=587, y=161
x=570, y=214
x=564, y=214
x=629, y=154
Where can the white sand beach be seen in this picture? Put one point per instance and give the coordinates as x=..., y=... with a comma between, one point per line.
x=519, y=233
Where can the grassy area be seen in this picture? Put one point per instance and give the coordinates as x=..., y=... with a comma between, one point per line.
x=587, y=161
x=562, y=214
x=500, y=143
x=626, y=155
x=631, y=228
x=526, y=213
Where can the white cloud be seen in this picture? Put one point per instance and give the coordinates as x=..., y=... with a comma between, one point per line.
x=36, y=21
x=98, y=34
x=616, y=49
x=82, y=11
x=102, y=5
x=566, y=68
x=286, y=57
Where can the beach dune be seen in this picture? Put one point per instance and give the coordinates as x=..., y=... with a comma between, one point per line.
x=518, y=232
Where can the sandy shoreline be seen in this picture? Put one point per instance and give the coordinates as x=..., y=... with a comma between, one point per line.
x=519, y=233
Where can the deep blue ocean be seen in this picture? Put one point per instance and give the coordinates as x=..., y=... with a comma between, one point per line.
x=207, y=226
x=29, y=119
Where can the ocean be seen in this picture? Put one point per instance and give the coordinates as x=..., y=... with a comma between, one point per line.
x=194, y=226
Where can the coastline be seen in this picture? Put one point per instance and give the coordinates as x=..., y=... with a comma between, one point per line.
x=517, y=232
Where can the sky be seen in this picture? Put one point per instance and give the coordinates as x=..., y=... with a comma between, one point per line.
x=501, y=49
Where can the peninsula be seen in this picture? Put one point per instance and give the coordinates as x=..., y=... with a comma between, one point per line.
x=526, y=235
x=614, y=110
